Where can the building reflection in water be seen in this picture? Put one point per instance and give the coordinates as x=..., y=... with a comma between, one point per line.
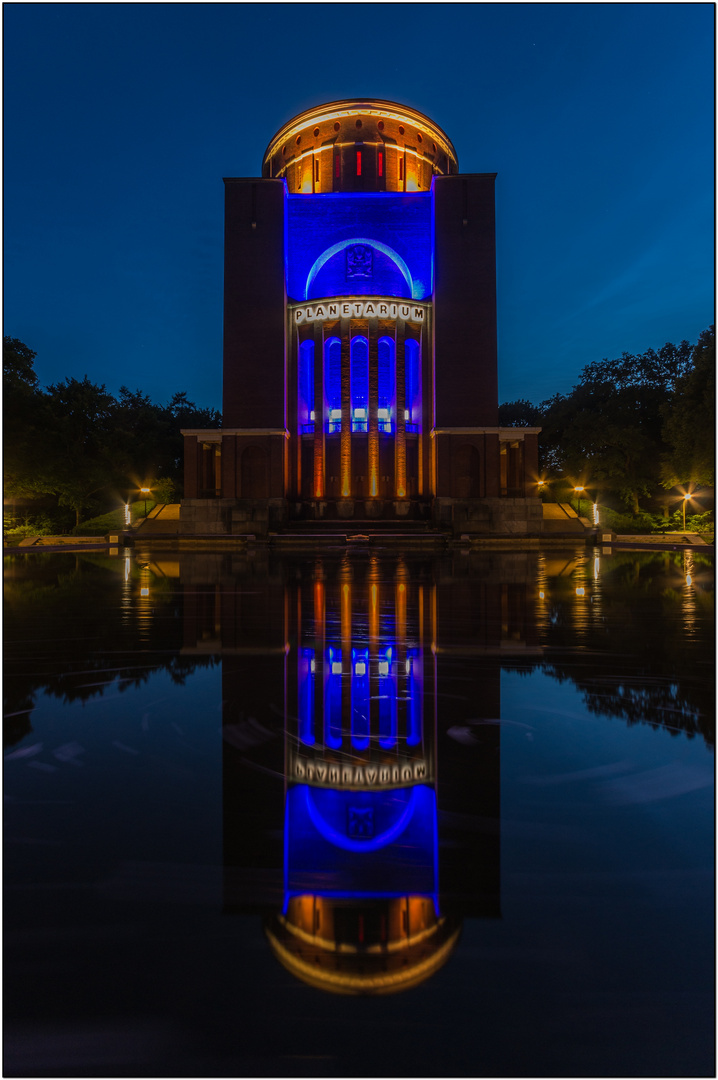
x=361, y=762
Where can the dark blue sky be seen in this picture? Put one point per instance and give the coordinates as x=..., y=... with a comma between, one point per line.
x=122, y=119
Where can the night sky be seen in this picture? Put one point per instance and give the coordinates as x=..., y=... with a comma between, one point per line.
x=122, y=119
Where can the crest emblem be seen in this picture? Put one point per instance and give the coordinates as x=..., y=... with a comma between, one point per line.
x=359, y=261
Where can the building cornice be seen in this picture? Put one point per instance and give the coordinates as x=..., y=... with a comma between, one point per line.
x=215, y=434
x=513, y=432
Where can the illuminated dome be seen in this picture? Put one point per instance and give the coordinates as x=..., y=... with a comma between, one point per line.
x=375, y=946
x=359, y=145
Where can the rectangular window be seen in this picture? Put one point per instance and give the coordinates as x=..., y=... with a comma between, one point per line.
x=381, y=164
x=316, y=169
x=358, y=162
x=401, y=168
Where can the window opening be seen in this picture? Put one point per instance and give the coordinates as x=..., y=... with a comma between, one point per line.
x=386, y=383
x=306, y=387
x=412, y=397
x=333, y=383
x=359, y=375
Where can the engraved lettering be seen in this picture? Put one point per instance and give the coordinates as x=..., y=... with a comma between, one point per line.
x=383, y=309
x=332, y=309
x=418, y=314
x=371, y=773
x=358, y=775
x=346, y=309
x=369, y=309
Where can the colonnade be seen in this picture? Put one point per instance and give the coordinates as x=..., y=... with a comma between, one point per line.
x=360, y=682
x=359, y=444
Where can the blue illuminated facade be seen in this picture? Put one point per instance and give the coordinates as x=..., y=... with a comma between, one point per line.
x=365, y=896
x=360, y=372
x=323, y=231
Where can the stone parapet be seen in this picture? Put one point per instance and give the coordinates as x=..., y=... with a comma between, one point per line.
x=499, y=516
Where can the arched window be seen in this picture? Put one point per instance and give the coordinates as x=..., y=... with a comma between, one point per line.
x=412, y=372
x=360, y=383
x=386, y=382
x=305, y=389
x=333, y=382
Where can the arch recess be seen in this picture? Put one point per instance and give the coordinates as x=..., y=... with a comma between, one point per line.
x=330, y=252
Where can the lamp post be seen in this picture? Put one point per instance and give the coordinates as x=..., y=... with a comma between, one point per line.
x=594, y=502
x=145, y=491
x=686, y=498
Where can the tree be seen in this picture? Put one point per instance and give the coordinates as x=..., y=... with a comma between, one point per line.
x=520, y=413
x=608, y=430
x=81, y=464
x=18, y=366
x=689, y=421
x=24, y=422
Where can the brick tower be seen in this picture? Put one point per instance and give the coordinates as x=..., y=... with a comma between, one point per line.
x=360, y=364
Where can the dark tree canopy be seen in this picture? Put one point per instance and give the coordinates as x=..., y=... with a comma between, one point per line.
x=630, y=425
x=78, y=443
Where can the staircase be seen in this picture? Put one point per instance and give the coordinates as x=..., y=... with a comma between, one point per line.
x=358, y=532
x=560, y=519
x=162, y=520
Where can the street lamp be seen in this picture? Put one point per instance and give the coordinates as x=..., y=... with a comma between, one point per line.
x=685, y=500
x=145, y=492
x=594, y=505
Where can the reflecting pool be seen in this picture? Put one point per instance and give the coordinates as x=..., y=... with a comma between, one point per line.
x=359, y=815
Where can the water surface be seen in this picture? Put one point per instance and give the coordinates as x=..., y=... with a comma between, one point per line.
x=359, y=816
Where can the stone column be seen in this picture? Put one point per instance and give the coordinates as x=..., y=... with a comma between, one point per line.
x=345, y=452
x=400, y=434
x=319, y=410
x=531, y=470
x=373, y=425
x=293, y=468
x=191, y=467
x=229, y=467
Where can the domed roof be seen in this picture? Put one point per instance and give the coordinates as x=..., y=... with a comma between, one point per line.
x=362, y=107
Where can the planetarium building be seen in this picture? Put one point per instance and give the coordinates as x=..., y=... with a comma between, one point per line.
x=360, y=359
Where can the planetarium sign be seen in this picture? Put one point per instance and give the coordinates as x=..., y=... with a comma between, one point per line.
x=359, y=308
